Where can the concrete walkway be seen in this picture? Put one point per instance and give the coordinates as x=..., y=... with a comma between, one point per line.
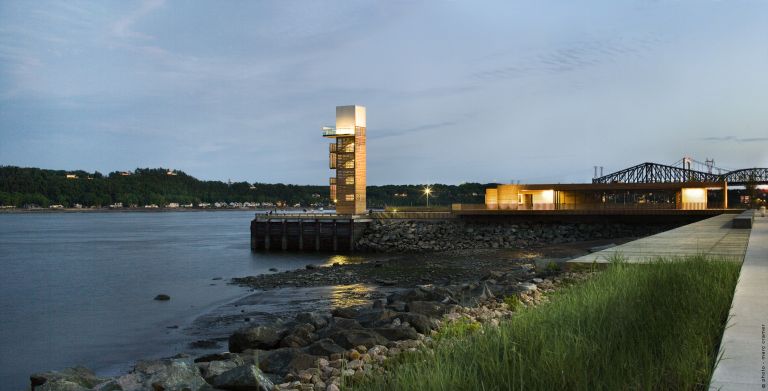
x=713, y=237
x=743, y=348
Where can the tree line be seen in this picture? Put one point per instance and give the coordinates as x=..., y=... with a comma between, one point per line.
x=22, y=186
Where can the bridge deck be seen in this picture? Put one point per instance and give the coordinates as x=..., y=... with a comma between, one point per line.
x=713, y=236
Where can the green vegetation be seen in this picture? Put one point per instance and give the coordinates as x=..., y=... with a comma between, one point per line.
x=632, y=327
x=513, y=303
x=33, y=186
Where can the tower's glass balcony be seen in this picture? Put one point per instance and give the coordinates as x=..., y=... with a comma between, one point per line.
x=329, y=131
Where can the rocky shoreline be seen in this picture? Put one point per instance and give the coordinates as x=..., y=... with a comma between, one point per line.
x=409, y=300
x=325, y=350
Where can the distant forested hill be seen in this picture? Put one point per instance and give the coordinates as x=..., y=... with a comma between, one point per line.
x=33, y=186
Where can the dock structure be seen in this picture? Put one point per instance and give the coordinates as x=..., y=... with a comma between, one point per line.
x=307, y=233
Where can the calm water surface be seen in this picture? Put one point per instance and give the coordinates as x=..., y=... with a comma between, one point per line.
x=77, y=288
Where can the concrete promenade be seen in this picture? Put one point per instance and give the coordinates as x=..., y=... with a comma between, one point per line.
x=713, y=237
x=743, y=348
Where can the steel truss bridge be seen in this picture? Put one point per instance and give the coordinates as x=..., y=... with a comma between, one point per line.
x=661, y=173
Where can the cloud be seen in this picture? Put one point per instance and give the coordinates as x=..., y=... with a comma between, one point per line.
x=123, y=27
x=383, y=133
x=570, y=57
x=736, y=139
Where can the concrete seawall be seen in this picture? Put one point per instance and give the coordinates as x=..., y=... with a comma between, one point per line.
x=307, y=234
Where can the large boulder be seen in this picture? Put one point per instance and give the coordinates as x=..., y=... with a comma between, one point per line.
x=301, y=335
x=422, y=293
x=179, y=374
x=283, y=360
x=259, y=337
x=338, y=324
x=217, y=357
x=209, y=370
x=347, y=312
x=324, y=347
x=428, y=308
x=60, y=385
x=245, y=377
x=421, y=323
x=80, y=376
x=397, y=333
x=352, y=338
x=314, y=318
x=371, y=316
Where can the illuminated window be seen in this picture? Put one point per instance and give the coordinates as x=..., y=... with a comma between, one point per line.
x=350, y=180
x=349, y=197
x=349, y=148
x=349, y=164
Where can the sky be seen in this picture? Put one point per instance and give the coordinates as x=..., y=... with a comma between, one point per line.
x=456, y=91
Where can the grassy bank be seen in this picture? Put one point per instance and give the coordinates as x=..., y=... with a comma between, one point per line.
x=632, y=327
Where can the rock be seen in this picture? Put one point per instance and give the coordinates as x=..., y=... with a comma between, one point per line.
x=385, y=282
x=216, y=357
x=428, y=308
x=259, y=337
x=526, y=286
x=80, y=376
x=245, y=377
x=346, y=312
x=420, y=322
x=210, y=370
x=301, y=335
x=283, y=360
x=324, y=347
x=166, y=374
x=397, y=333
x=339, y=324
x=351, y=338
x=371, y=316
x=398, y=306
x=493, y=275
x=162, y=297
x=313, y=318
x=60, y=385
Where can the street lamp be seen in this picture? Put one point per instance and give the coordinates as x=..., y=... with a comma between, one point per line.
x=427, y=192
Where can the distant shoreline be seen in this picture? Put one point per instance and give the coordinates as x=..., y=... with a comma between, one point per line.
x=141, y=210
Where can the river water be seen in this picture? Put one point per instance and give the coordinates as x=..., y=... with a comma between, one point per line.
x=78, y=288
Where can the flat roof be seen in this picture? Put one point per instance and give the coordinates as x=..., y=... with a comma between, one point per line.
x=615, y=186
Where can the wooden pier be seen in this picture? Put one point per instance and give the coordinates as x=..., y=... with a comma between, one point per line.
x=320, y=232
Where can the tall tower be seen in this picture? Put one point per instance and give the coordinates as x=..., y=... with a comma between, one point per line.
x=347, y=157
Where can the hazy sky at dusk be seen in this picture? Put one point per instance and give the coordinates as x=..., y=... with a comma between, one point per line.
x=456, y=91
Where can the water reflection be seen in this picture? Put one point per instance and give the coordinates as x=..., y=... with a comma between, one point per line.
x=345, y=259
x=350, y=295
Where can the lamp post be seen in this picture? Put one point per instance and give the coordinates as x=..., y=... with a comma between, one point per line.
x=427, y=192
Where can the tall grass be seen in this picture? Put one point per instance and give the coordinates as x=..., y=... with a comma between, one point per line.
x=633, y=327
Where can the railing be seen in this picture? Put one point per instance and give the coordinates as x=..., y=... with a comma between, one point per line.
x=334, y=132
x=411, y=215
